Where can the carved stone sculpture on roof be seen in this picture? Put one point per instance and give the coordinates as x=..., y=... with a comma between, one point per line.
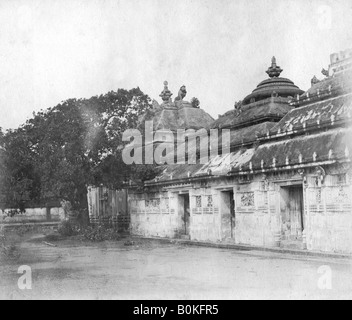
x=181, y=93
x=156, y=105
x=314, y=81
x=166, y=96
x=195, y=102
x=238, y=107
x=325, y=72
x=179, y=102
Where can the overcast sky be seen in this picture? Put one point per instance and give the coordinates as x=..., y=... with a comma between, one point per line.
x=52, y=50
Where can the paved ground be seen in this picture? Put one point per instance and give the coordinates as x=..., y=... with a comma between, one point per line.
x=154, y=270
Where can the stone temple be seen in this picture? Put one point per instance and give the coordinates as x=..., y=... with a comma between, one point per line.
x=282, y=179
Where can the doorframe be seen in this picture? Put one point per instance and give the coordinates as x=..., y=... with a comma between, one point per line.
x=184, y=229
x=288, y=184
x=226, y=192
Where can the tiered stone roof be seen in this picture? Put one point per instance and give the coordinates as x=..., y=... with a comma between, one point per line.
x=275, y=85
x=315, y=129
x=260, y=110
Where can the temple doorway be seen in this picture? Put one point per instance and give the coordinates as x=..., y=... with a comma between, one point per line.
x=228, y=218
x=184, y=211
x=292, y=215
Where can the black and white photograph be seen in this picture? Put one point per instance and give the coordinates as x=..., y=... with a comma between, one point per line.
x=175, y=154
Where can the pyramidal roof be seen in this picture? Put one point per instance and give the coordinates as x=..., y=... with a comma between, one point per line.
x=175, y=115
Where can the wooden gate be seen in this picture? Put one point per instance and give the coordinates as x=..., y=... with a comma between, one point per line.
x=108, y=207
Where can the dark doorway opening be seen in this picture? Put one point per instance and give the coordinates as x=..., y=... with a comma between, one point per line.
x=232, y=211
x=228, y=215
x=292, y=214
x=185, y=213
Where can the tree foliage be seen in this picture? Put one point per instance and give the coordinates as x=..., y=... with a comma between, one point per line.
x=60, y=151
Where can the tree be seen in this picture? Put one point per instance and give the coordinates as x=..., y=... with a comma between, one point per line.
x=2, y=171
x=62, y=150
x=18, y=180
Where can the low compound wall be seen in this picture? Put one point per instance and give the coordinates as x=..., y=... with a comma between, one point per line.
x=33, y=215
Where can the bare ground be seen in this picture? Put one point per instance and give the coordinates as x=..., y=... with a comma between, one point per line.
x=148, y=269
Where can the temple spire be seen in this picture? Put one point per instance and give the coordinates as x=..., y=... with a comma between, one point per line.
x=274, y=70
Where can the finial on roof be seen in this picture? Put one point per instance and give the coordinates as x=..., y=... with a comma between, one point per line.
x=274, y=70
x=166, y=93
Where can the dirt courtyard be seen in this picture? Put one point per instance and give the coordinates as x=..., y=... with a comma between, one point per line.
x=150, y=269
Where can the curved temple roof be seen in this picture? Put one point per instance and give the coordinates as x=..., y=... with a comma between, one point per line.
x=282, y=87
x=315, y=129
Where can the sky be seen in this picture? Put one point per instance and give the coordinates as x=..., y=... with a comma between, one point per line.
x=53, y=50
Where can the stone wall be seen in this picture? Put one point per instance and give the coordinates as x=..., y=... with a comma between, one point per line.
x=161, y=215
x=153, y=215
x=256, y=214
x=329, y=214
x=327, y=211
x=33, y=215
x=205, y=223
x=256, y=219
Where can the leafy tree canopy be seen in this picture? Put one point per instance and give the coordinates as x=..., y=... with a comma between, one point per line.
x=61, y=150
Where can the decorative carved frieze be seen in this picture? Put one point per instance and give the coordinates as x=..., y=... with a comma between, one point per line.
x=247, y=199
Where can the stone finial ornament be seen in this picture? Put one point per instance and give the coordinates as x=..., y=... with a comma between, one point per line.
x=274, y=70
x=166, y=93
